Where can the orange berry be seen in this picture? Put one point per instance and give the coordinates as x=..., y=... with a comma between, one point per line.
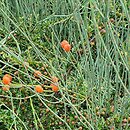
x=5, y=88
x=54, y=79
x=8, y=75
x=54, y=88
x=67, y=47
x=38, y=89
x=63, y=43
x=6, y=80
x=37, y=74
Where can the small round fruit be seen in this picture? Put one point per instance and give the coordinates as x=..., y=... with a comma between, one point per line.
x=67, y=47
x=38, y=89
x=112, y=128
x=16, y=73
x=73, y=122
x=63, y=43
x=60, y=123
x=76, y=117
x=97, y=113
x=45, y=73
x=42, y=68
x=97, y=108
x=80, y=128
x=74, y=95
x=54, y=88
x=112, y=20
x=103, y=31
x=15, y=34
x=103, y=113
x=5, y=88
x=92, y=43
x=47, y=110
x=6, y=80
x=99, y=27
x=55, y=79
x=37, y=74
x=68, y=120
x=8, y=75
x=9, y=38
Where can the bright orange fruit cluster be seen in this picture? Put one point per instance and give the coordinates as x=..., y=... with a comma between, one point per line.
x=38, y=89
x=66, y=46
x=6, y=80
x=54, y=88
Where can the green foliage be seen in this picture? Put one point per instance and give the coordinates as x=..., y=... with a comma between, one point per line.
x=94, y=78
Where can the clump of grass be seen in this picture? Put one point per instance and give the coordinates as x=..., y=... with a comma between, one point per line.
x=92, y=86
